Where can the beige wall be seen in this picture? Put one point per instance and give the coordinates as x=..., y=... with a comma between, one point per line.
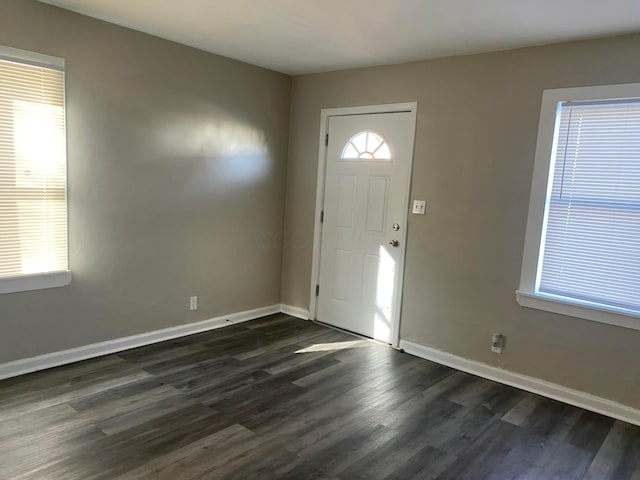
x=177, y=165
x=476, y=134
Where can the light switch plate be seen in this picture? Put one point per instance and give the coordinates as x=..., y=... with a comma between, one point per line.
x=419, y=207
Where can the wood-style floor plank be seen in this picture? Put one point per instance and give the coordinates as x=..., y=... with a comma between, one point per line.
x=283, y=398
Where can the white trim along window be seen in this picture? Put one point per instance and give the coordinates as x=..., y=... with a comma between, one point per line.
x=33, y=177
x=582, y=247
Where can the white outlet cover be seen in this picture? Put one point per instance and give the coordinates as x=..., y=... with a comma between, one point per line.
x=193, y=303
x=419, y=207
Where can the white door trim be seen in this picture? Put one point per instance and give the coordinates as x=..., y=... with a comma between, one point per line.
x=411, y=107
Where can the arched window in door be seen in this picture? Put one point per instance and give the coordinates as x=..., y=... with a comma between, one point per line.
x=366, y=145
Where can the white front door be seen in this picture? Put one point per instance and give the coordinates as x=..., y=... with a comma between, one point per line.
x=368, y=169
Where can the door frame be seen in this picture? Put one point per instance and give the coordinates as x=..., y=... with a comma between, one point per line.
x=325, y=114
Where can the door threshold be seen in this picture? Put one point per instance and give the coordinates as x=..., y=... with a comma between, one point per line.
x=355, y=334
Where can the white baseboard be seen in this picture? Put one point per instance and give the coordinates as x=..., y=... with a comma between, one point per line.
x=55, y=359
x=524, y=382
x=295, y=311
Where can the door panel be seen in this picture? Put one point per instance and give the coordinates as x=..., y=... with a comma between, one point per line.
x=377, y=205
x=343, y=268
x=365, y=194
x=346, y=199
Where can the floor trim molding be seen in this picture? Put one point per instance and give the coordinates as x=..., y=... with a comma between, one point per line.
x=55, y=359
x=295, y=311
x=524, y=382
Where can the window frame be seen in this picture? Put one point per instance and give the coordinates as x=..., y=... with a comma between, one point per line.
x=526, y=295
x=38, y=281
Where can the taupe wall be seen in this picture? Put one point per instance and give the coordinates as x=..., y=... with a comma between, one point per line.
x=177, y=165
x=476, y=134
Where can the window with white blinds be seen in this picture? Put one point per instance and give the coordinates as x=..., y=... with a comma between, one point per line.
x=588, y=245
x=591, y=248
x=33, y=209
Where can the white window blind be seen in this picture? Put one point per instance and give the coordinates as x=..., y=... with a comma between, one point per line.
x=33, y=211
x=590, y=248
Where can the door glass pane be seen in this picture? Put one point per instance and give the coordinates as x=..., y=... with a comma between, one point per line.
x=366, y=145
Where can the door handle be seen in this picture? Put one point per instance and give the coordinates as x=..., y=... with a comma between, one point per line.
x=394, y=243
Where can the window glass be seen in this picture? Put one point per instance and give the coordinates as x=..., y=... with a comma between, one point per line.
x=33, y=210
x=366, y=145
x=590, y=247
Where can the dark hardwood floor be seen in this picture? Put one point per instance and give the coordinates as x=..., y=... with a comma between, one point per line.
x=285, y=398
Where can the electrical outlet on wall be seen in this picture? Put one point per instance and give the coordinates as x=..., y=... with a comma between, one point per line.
x=193, y=303
x=497, y=343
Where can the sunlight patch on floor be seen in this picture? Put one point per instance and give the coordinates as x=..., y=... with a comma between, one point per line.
x=335, y=346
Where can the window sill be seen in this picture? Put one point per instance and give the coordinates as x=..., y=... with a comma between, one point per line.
x=36, y=281
x=587, y=311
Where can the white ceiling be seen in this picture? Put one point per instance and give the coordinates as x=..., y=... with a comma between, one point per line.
x=305, y=36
